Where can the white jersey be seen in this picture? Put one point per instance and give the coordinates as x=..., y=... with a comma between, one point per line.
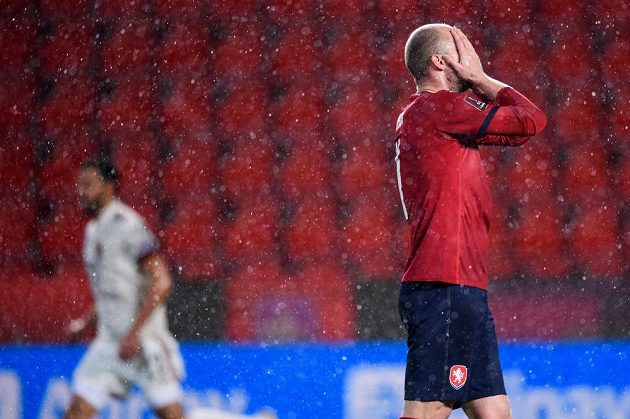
x=114, y=244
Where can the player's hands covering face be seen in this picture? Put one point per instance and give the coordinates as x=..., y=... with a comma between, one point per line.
x=469, y=66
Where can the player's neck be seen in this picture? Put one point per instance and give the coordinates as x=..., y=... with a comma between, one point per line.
x=431, y=84
x=107, y=199
x=430, y=87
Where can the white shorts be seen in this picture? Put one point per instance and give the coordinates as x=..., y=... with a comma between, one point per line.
x=157, y=371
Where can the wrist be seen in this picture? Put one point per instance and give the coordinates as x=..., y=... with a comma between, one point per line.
x=134, y=330
x=478, y=81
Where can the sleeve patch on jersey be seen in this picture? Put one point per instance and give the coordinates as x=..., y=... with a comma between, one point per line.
x=479, y=105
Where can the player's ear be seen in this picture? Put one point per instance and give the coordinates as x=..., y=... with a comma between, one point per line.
x=438, y=62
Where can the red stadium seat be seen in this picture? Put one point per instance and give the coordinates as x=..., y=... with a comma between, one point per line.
x=184, y=50
x=253, y=232
x=346, y=10
x=16, y=102
x=17, y=231
x=136, y=159
x=577, y=119
x=537, y=316
x=59, y=172
x=368, y=240
x=596, y=242
x=390, y=61
x=59, y=299
x=290, y=11
x=186, y=110
x=572, y=12
x=355, y=113
x=401, y=12
x=515, y=58
x=238, y=56
x=243, y=289
x=268, y=304
x=502, y=262
x=191, y=170
x=363, y=171
x=541, y=250
x=586, y=174
x=516, y=14
x=312, y=233
x=127, y=48
x=249, y=169
x=334, y=300
x=65, y=10
x=618, y=120
x=352, y=54
x=531, y=174
x=69, y=108
x=226, y=10
x=128, y=108
x=621, y=179
x=297, y=53
x=614, y=60
x=305, y=170
x=61, y=236
x=15, y=8
x=16, y=170
x=301, y=107
x=190, y=239
x=574, y=49
x=243, y=112
x=17, y=42
x=122, y=9
x=67, y=52
x=466, y=15
x=178, y=9
x=612, y=11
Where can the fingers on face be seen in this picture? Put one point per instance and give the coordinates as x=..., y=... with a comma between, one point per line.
x=458, y=42
x=464, y=42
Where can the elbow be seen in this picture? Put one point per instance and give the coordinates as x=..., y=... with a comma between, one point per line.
x=165, y=286
x=518, y=141
x=540, y=121
x=534, y=124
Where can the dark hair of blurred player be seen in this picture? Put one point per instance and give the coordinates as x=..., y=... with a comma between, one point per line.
x=98, y=183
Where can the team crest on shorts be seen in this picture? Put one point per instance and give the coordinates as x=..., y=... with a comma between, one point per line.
x=458, y=376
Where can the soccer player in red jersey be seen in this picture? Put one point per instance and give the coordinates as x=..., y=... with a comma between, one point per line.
x=453, y=358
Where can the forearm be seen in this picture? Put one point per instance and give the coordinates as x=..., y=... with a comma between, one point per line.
x=486, y=87
x=153, y=298
x=157, y=290
x=516, y=115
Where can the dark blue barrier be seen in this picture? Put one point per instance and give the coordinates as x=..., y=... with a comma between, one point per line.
x=353, y=381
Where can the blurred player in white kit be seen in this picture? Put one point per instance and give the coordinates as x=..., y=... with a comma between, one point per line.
x=130, y=282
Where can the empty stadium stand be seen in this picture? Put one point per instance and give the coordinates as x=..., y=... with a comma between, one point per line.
x=255, y=138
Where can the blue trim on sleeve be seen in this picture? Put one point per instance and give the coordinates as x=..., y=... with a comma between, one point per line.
x=486, y=122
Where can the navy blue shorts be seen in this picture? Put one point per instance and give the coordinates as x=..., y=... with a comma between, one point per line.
x=453, y=354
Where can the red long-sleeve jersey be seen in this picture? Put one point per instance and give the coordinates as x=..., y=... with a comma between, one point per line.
x=443, y=186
